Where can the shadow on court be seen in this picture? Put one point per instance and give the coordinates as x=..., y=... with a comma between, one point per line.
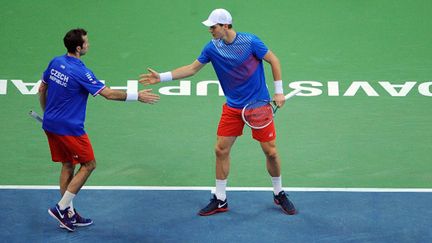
x=171, y=216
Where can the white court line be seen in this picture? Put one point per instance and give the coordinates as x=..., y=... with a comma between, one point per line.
x=199, y=188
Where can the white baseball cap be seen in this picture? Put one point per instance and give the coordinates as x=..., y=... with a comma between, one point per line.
x=218, y=16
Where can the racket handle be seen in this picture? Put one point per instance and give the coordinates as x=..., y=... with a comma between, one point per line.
x=293, y=93
x=275, y=107
x=36, y=116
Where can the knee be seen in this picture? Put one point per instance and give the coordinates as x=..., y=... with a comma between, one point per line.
x=271, y=154
x=92, y=165
x=69, y=167
x=89, y=166
x=221, y=151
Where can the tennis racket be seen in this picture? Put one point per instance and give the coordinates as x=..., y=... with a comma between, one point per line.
x=260, y=113
x=36, y=116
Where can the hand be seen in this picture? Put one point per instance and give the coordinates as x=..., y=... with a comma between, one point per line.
x=146, y=96
x=279, y=100
x=150, y=78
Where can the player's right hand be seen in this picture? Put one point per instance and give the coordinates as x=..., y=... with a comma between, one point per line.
x=146, y=96
x=279, y=100
x=149, y=78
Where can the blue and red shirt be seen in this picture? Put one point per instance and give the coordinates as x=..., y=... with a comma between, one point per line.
x=239, y=68
x=69, y=83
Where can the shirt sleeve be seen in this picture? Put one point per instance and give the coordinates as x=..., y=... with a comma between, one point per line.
x=89, y=81
x=46, y=73
x=204, y=57
x=45, y=76
x=259, y=48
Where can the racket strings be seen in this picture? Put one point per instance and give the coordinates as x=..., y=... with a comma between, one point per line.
x=258, y=114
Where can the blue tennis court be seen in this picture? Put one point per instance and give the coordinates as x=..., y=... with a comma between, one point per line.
x=171, y=216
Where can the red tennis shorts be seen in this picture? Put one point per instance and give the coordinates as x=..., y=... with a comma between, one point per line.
x=231, y=125
x=74, y=149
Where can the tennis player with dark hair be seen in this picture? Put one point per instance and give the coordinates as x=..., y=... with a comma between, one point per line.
x=64, y=90
x=237, y=60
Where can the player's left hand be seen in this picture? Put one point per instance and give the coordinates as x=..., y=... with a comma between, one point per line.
x=152, y=77
x=279, y=99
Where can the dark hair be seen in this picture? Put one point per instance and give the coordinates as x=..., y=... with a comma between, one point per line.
x=229, y=25
x=73, y=39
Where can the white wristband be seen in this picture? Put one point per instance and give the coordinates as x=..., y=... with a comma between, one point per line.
x=167, y=76
x=278, y=87
x=131, y=96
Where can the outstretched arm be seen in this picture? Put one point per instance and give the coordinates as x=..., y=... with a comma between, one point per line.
x=144, y=96
x=153, y=77
x=272, y=59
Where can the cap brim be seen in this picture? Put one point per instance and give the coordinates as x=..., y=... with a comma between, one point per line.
x=208, y=23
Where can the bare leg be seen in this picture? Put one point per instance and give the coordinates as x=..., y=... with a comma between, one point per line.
x=222, y=151
x=272, y=158
x=273, y=168
x=81, y=176
x=66, y=176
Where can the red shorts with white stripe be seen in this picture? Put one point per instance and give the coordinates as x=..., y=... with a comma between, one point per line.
x=231, y=125
x=74, y=149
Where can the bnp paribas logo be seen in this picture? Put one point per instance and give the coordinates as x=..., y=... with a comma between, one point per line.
x=212, y=87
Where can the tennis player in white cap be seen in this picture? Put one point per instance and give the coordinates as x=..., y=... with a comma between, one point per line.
x=237, y=59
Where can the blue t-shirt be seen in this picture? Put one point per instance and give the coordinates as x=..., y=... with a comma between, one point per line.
x=239, y=68
x=69, y=83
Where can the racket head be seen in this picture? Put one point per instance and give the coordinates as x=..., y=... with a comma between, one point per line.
x=258, y=114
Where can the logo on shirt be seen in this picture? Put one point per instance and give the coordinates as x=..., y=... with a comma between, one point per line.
x=62, y=66
x=59, y=77
x=88, y=75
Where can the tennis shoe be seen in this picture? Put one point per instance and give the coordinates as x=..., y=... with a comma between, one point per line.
x=78, y=221
x=62, y=217
x=215, y=206
x=282, y=200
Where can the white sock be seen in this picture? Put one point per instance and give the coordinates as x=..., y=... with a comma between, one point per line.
x=221, y=189
x=66, y=200
x=71, y=208
x=277, y=184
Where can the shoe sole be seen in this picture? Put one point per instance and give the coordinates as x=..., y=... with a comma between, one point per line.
x=291, y=212
x=61, y=223
x=219, y=210
x=77, y=225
